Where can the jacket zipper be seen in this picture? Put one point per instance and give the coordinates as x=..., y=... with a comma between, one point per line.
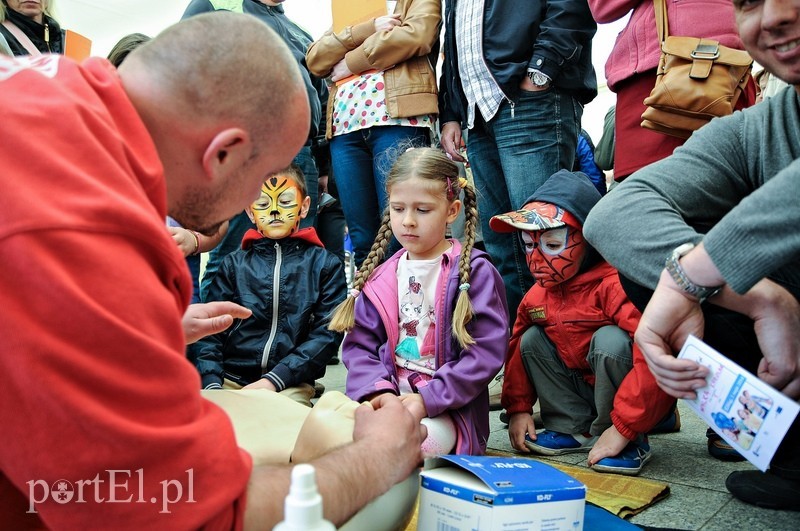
x=47, y=36
x=273, y=327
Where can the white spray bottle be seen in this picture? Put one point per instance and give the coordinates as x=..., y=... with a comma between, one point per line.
x=302, y=510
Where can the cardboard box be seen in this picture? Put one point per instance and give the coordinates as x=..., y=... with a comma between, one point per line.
x=467, y=493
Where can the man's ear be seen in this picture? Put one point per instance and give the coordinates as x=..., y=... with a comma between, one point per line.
x=304, y=207
x=453, y=210
x=227, y=152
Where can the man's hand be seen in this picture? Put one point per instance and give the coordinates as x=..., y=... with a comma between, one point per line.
x=388, y=425
x=387, y=22
x=670, y=316
x=414, y=404
x=261, y=383
x=776, y=317
x=451, y=141
x=609, y=444
x=520, y=425
x=201, y=320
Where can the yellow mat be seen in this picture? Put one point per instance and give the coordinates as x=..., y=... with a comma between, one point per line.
x=623, y=496
x=620, y=495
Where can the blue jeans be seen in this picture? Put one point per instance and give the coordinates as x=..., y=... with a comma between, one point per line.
x=361, y=161
x=240, y=223
x=510, y=158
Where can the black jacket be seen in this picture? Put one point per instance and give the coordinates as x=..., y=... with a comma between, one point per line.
x=295, y=38
x=292, y=286
x=36, y=33
x=553, y=36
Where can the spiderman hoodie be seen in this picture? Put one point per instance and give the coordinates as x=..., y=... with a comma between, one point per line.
x=571, y=311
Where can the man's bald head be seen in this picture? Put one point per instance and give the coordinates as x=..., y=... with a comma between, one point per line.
x=223, y=65
x=224, y=101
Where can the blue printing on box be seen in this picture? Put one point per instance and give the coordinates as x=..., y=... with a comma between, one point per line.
x=510, y=480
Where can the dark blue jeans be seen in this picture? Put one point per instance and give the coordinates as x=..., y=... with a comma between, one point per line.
x=510, y=157
x=240, y=223
x=361, y=160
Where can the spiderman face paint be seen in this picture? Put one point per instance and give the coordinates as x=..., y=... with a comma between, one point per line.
x=554, y=255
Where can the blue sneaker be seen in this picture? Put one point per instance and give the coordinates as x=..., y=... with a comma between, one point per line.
x=555, y=443
x=628, y=462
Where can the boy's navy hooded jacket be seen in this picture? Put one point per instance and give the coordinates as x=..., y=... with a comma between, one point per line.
x=292, y=285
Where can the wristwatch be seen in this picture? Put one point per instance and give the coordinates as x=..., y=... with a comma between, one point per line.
x=673, y=266
x=538, y=78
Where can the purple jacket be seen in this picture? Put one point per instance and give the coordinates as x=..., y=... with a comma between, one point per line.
x=637, y=49
x=460, y=384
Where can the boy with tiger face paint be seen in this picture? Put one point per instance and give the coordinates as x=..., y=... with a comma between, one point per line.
x=571, y=347
x=291, y=283
x=280, y=207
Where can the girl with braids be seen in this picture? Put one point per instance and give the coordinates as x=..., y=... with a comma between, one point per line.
x=446, y=298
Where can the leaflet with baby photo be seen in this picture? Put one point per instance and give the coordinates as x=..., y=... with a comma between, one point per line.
x=748, y=413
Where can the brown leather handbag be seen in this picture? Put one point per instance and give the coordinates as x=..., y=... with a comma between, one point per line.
x=697, y=79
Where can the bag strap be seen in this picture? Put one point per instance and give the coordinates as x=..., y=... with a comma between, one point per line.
x=662, y=23
x=23, y=39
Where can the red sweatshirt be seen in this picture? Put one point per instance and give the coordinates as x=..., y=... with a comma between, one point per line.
x=570, y=314
x=103, y=423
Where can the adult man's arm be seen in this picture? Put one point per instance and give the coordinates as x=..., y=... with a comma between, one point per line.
x=740, y=251
x=565, y=29
x=385, y=450
x=673, y=314
x=672, y=201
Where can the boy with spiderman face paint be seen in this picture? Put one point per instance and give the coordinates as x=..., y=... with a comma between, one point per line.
x=291, y=283
x=571, y=345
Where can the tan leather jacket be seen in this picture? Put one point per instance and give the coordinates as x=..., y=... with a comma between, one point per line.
x=402, y=54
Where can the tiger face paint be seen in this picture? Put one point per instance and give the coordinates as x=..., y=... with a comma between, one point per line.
x=279, y=208
x=555, y=255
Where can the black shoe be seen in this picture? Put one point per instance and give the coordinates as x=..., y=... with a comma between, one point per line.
x=719, y=449
x=669, y=424
x=765, y=490
x=333, y=361
x=504, y=417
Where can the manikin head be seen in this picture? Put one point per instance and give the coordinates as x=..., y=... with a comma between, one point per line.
x=281, y=204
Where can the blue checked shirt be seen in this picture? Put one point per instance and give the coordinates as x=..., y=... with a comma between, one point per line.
x=479, y=85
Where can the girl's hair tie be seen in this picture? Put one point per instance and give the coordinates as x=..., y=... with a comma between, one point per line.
x=354, y=293
x=462, y=182
x=464, y=286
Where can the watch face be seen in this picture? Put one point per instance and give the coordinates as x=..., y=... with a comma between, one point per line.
x=539, y=79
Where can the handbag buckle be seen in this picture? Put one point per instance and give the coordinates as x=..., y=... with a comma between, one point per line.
x=706, y=51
